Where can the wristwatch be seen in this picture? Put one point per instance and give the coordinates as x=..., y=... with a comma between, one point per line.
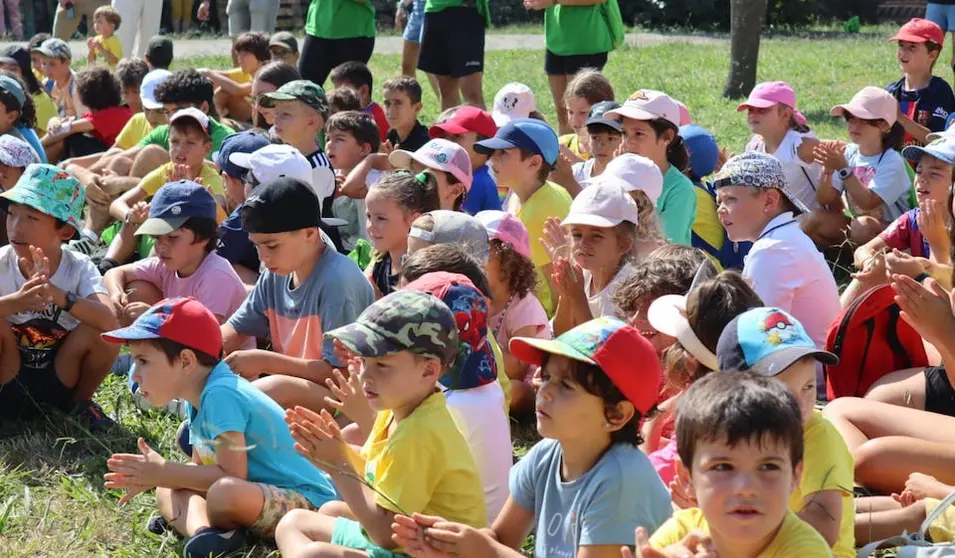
x=70, y=301
x=844, y=173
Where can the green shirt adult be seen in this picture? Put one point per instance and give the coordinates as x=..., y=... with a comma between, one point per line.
x=432, y=6
x=340, y=19
x=582, y=30
x=676, y=206
x=160, y=136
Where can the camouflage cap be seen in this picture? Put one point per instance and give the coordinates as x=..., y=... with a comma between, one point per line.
x=403, y=321
x=298, y=90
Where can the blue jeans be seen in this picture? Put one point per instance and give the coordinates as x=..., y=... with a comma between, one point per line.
x=942, y=14
x=415, y=24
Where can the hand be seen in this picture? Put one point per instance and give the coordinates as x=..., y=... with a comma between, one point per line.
x=36, y=264
x=568, y=279
x=348, y=396
x=91, y=43
x=177, y=172
x=119, y=301
x=920, y=486
x=927, y=308
x=138, y=214
x=245, y=363
x=681, y=494
x=900, y=263
x=563, y=171
x=34, y=295
x=96, y=195
x=109, y=183
x=319, y=439
x=567, y=152
x=203, y=13
x=696, y=544
x=538, y=4
x=537, y=380
x=829, y=155
x=386, y=147
x=871, y=270
x=932, y=222
x=134, y=310
x=135, y=473
x=409, y=535
x=555, y=239
x=435, y=537
x=401, y=19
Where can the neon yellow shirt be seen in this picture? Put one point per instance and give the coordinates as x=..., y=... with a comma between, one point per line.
x=238, y=76
x=113, y=46
x=136, y=129
x=152, y=182
x=45, y=110
x=572, y=142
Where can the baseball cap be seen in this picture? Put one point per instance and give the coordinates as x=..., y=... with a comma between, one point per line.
x=159, y=48
x=12, y=86
x=466, y=119
x=637, y=173
x=285, y=40
x=183, y=320
x=438, y=154
x=475, y=365
x=602, y=205
x=454, y=227
x=704, y=152
x=506, y=228
x=625, y=356
x=19, y=54
x=942, y=149
x=270, y=162
x=918, y=30
x=298, y=90
x=55, y=48
x=647, y=104
x=147, y=91
x=173, y=204
x=772, y=93
x=757, y=170
x=766, y=341
x=240, y=142
x=514, y=100
x=51, y=191
x=403, y=321
x=14, y=152
x=533, y=135
x=192, y=113
x=282, y=205
x=667, y=315
x=870, y=103
x=685, y=118
x=598, y=116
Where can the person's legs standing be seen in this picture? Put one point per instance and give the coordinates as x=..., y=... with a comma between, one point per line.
x=262, y=15
x=149, y=25
x=471, y=52
x=13, y=18
x=63, y=24
x=315, y=63
x=130, y=11
x=239, y=20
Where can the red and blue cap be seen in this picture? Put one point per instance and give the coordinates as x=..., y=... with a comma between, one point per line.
x=183, y=320
x=766, y=341
x=527, y=133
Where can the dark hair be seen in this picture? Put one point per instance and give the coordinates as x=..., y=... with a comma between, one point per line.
x=360, y=125
x=667, y=270
x=26, y=72
x=204, y=229
x=544, y=171
x=677, y=155
x=408, y=192
x=255, y=43
x=517, y=270
x=596, y=382
x=110, y=14
x=445, y=257
x=98, y=88
x=405, y=84
x=157, y=55
x=894, y=138
x=738, y=407
x=37, y=40
x=172, y=350
x=353, y=73
x=131, y=71
x=187, y=87
x=27, y=110
x=276, y=74
x=343, y=99
x=932, y=46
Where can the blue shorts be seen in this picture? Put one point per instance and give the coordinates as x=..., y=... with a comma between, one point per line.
x=415, y=24
x=942, y=14
x=348, y=533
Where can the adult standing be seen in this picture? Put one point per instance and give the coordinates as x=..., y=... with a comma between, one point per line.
x=942, y=12
x=336, y=31
x=247, y=15
x=69, y=13
x=578, y=34
x=140, y=23
x=452, y=48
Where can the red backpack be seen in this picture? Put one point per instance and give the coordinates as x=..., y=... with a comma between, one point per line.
x=871, y=340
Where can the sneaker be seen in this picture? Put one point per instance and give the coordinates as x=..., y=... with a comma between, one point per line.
x=122, y=365
x=182, y=438
x=93, y=416
x=157, y=525
x=210, y=541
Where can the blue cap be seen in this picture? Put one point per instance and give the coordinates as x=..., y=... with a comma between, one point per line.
x=240, y=142
x=703, y=150
x=13, y=86
x=173, y=204
x=533, y=135
x=942, y=149
x=766, y=341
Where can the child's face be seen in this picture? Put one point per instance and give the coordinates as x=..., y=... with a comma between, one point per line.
x=603, y=143
x=159, y=380
x=55, y=68
x=641, y=322
x=103, y=27
x=800, y=378
x=466, y=141
x=284, y=55
x=915, y=57
x=641, y=139
x=740, y=212
x=448, y=193
x=933, y=178
x=28, y=227
x=234, y=189
x=510, y=170
x=260, y=88
x=398, y=381
x=7, y=118
x=36, y=61
x=578, y=110
x=343, y=150
x=9, y=176
x=188, y=146
x=764, y=121
x=387, y=222
x=493, y=271
x=597, y=248
x=399, y=110
x=867, y=134
x=363, y=93
x=248, y=62
x=132, y=99
x=284, y=253
x=179, y=250
x=565, y=410
x=156, y=117
x=295, y=122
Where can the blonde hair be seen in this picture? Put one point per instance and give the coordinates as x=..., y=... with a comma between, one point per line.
x=110, y=15
x=589, y=84
x=648, y=224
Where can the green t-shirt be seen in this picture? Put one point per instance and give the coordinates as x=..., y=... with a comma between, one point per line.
x=676, y=206
x=440, y=5
x=581, y=30
x=340, y=19
x=160, y=136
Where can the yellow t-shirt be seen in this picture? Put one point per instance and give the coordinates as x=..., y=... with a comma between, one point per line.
x=210, y=179
x=549, y=201
x=45, y=110
x=238, y=76
x=501, y=375
x=425, y=465
x=572, y=142
x=828, y=465
x=795, y=539
x=136, y=128
x=112, y=45
x=943, y=528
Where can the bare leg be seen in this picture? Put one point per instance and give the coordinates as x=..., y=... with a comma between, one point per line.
x=288, y=392
x=860, y=420
x=869, y=504
x=449, y=94
x=884, y=464
x=558, y=85
x=878, y=525
x=120, y=165
x=409, y=58
x=473, y=90
x=84, y=360
x=826, y=228
x=864, y=229
x=185, y=510
x=233, y=503
x=303, y=534
x=148, y=159
x=905, y=388
x=337, y=508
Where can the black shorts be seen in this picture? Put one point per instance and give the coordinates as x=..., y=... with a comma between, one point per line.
x=939, y=395
x=321, y=56
x=557, y=65
x=452, y=43
x=32, y=388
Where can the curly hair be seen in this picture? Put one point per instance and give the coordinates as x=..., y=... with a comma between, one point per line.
x=667, y=270
x=648, y=224
x=98, y=88
x=517, y=270
x=187, y=87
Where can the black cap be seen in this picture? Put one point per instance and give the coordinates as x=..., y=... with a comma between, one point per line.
x=598, y=116
x=159, y=49
x=19, y=54
x=283, y=205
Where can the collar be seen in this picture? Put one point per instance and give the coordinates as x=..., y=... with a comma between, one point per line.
x=776, y=222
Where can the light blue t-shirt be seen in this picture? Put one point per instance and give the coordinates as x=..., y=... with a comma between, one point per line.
x=676, y=206
x=620, y=492
x=229, y=403
x=884, y=174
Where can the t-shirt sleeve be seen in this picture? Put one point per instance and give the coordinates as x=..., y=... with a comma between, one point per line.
x=336, y=313
x=113, y=45
x=525, y=475
x=150, y=270
x=603, y=522
x=891, y=180
x=830, y=466
x=678, y=213
x=528, y=311
x=127, y=136
x=152, y=182
x=896, y=235
x=408, y=475
x=250, y=318
x=231, y=412
x=669, y=534
x=90, y=281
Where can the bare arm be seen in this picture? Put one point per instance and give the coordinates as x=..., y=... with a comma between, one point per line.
x=823, y=510
x=120, y=207
x=865, y=252
x=913, y=128
x=861, y=195
x=93, y=311
x=231, y=461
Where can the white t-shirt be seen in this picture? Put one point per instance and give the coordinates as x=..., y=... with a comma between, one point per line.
x=885, y=175
x=583, y=171
x=600, y=303
x=40, y=334
x=479, y=414
x=802, y=177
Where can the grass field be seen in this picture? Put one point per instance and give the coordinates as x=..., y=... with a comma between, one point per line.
x=51, y=498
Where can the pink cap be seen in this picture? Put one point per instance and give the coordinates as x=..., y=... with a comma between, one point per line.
x=772, y=93
x=506, y=228
x=685, y=118
x=438, y=154
x=870, y=103
x=602, y=205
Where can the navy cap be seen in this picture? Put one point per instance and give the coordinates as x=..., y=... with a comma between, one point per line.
x=175, y=203
x=704, y=152
x=240, y=142
x=527, y=133
x=598, y=116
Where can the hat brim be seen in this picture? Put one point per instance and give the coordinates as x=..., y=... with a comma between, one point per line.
x=756, y=103
x=778, y=361
x=489, y=146
x=909, y=38
x=355, y=337
x=45, y=52
x=857, y=111
x=591, y=221
x=127, y=334
x=634, y=113
x=150, y=104
x=667, y=315
x=614, y=125
x=242, y=160
x=156, y=226
x=401, y=159
x=447, y=128
x=914, y=153
x=532, y=350
x=24, y=196
x=282, y=45
x=268, y=100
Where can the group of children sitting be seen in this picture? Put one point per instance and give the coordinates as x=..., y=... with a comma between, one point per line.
x=349, y=306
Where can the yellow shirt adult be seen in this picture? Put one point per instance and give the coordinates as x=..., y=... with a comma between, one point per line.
x=111, y=45
x=795, y=538
x=136, y=129
x=45, y=110
x=152, y=182
x=828, y=465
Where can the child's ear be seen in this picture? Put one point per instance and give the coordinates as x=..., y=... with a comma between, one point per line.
x=797, y=476
x=620, y=415
x=365, y=149
x=187, y=358
x=417, y=107
x=207, y=149
x=433, y=369
x=66, y=233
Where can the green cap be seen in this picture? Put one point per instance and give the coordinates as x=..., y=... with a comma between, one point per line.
x=51, y=191
x=298, y=90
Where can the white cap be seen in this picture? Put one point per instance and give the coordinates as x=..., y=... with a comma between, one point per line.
x=439, y=154
x=514, y=100
x=147, y=91
x=667, y=315
x=602, y=205
x=948, y=134
x=647, y=104
x=637, y=173
x=193, y=113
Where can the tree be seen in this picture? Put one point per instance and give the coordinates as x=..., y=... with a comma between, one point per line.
x=746, y=26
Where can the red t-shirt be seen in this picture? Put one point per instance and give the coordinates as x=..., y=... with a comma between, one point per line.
x=904, y=234
x=378, y=114
x=108, y=123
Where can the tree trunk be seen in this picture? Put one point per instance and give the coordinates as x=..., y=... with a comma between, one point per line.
x=746, y=26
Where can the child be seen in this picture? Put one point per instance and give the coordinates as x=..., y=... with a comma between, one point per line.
x=391, y=206
x=357, y=76
x=105, y=45
x=244, y=474
x=772, y=343
x=588, y=88
x=449, y=227
x=284, y=48
x=925, y=101
x=234, y=87
x=15, y=102
x=651, y=128
x=868, y=175
x=152, y=114
x=781, y=130
x=349, y=138
x=36, y=59
x=402, y=104
x=591, y=390
x=742, y=470
x=514, y=310
x=604, y=136
x=466, y=126
x=523, y=152
x=56, y=59
x=418, y=459
x=159, y=53
x=45, y=109
x=130, y=73
x=344, y=99
x=53, y=300
x=447, y=162
x=513, y=101
x=306, y=288
x=786, y=269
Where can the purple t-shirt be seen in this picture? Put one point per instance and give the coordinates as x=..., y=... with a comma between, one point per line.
x=904, y=234
x=215, y=284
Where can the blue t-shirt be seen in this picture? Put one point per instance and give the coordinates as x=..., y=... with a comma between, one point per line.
x=483, y=193
x=229, y=403
x=620, y=492
x=235, y=244
x=29, y=136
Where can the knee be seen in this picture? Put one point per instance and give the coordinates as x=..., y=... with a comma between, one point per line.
x=223, y=497
x=841, y=407
x=292, y=523
x=143, y=291
x=870, y=461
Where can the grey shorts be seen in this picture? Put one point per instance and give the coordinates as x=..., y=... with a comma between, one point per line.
x=252, y=15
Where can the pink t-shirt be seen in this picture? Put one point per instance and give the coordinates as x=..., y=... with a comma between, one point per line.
x=215, y=284
x=664, y=461
x=517, y=315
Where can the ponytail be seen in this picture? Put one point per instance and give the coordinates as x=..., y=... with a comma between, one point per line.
x=677, y=155
x=893, y=138
x=795, y=125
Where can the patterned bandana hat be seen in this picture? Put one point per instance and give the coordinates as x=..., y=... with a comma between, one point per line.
x=14, y=152
x=756, y=170
x=51, y=191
